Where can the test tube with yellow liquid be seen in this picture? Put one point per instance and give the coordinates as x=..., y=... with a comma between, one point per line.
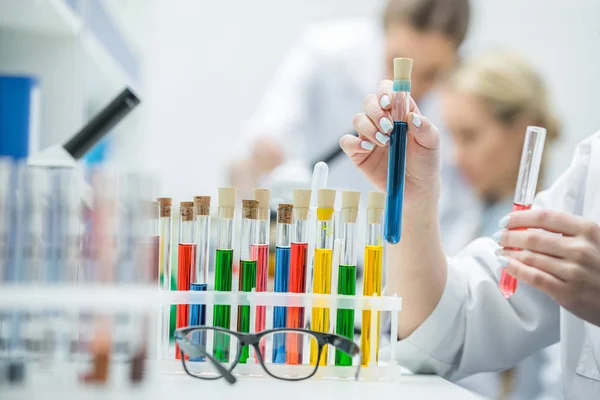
x=372, y=273
x=322, y=268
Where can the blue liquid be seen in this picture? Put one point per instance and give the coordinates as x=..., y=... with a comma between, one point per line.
x=198, y=318
x=395, y=182
x=282, y=274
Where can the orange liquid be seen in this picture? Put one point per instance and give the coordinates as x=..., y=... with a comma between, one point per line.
x=185, y=265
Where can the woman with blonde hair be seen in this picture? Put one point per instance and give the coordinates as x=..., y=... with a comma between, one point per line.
x=488, y=103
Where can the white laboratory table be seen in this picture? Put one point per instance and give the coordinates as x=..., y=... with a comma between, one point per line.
x=181, y=386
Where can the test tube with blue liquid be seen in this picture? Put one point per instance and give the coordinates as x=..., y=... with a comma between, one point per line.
x=397, y=152
x=282, y=276
x=199, y=278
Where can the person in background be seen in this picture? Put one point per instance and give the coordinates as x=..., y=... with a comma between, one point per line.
x=319, y=86
x=487, y=104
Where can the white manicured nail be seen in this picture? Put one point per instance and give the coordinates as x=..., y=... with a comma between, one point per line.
x=386, y=125
x=385, y=101
x=497, y=236
x=416, y=120
x=367, y=145
x=503, y=223
x=381, y=138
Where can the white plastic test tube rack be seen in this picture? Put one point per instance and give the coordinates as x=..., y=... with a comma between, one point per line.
x=376, y=370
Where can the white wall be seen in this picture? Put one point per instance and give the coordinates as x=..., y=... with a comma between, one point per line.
x=207, y=64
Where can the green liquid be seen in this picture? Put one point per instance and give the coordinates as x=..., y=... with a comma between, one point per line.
x=247, y=282
x=222, y=313
x=345, y=317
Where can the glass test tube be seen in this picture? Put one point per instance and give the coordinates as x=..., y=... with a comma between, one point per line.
x=397, y=152
x=7, y=201
x=347, y=271
x=282, y=273
x=199, y=278
x=297, y=277
x=529, y=169
x=186, y=261
x=373, y=273
x=247, y=278
x=223, y=270
x=166, y=224
x=322, y=267
x=261, y=251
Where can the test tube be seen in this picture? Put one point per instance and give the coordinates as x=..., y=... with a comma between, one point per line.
x=223, y=270
x=166, y=224
x=7, y=200
x=529, y=169
x=199, y=278
x=373, y=273
x=397, y=152
x=261, y=251
x=322, y=267
x=347, y=271
x=248, y=266
x=186, y=261
x=282, y=273
x=297, y=278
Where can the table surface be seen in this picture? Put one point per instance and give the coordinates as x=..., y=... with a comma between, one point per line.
x=413, y=387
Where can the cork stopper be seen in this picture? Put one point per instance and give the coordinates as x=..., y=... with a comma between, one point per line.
x=375, y=207
x=187, y=210
x=326, y=198
x=301, y=203
x=402, y=68
x=350, y=202
x=227, y=202
x=284, y=213
x=165, y=206
x=202, y=205
x=263, y=196
x=250, y=209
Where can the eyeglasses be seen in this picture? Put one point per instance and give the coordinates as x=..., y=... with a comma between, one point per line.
x=278, y=351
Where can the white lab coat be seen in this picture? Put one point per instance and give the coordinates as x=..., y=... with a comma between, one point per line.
x=473, y=328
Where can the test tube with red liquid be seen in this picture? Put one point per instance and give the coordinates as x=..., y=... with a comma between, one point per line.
x=260, y=251
x=297, y=275
x=529, y=170
x=186, y=261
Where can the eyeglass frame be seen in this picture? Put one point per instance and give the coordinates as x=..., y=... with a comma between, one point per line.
x=253, y=339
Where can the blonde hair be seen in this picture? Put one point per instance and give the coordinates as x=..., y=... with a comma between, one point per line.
x=448, y=17
x=510, y=87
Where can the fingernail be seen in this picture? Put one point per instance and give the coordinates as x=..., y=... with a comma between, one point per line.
x=386, y=125
x=416, y=120
x=367, y=145
x=385, y=101
x=503, y=261
x=497, y=236
x=381, y=138
x=503, y=223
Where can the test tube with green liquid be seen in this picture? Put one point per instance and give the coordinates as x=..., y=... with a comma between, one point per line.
x=247, y=278
x=347, y=271
x=223, y=271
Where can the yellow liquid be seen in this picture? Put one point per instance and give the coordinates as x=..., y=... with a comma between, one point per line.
x=320, y=316
x=372, y=284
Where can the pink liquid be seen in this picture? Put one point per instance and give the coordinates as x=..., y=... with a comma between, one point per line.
x=508, y=284
x=260, y=253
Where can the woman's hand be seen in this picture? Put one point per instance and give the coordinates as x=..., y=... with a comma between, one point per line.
x=369, y=151
x=566, y=267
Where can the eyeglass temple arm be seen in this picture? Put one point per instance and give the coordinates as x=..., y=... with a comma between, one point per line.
x=344, y=344
x=196, y=352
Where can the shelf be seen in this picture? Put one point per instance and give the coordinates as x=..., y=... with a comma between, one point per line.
x=40, y=16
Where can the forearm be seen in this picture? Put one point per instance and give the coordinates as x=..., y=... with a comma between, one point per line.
x=417, y=265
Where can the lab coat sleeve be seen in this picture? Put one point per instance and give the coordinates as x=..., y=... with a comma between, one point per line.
x=284, y=113
x=473, y=328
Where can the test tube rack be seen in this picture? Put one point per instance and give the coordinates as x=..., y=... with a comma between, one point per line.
x=386, y=368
